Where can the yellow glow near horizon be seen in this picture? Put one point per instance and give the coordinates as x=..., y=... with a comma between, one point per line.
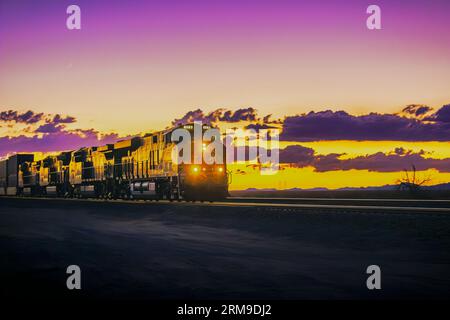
x=306, y=178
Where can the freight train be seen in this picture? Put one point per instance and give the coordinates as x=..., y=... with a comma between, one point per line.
x=135, y=168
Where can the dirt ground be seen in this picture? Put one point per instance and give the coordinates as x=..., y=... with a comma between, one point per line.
x=166, y=251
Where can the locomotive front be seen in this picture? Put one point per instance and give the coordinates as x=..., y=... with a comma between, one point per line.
x=201, y=178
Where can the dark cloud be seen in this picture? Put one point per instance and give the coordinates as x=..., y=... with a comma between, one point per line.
x=301, y=156
x=240, y=172
x=51, y=133
x=381, y=162
x=259, y=126
x=49, y=128
x=268, y=120
x=339, y=125
x=396, y=161
x=55, y=141
x=414, y=123
x=28, y=117
x=60, y=119
x=31, y=117
x=191, y=116
x=443, y=115
x=245, y=114
x=416, y=110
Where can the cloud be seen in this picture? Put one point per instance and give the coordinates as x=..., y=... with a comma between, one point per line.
x=418, y=111
x=381, y=162
x=60, y=119
x=259, y=126
x=415, y=122
x=442, y=115
x=55, y=141
x=28, y=117
x=49, y=128
x=55, y=124
x=247, y=114
x=215, y=116
x=191, y=116
x=301, y=156
x=268, y=120
x=398, y=160
x=48, y=132
x=339, y=125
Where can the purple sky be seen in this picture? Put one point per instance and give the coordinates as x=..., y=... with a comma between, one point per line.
x=282, y=57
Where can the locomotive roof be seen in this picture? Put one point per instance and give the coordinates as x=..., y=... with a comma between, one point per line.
x=124, y=143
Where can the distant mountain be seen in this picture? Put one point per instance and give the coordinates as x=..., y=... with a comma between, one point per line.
x=385, y=187
x=442, y=186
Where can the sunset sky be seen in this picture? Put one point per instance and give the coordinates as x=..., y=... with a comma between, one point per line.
x=137, y=66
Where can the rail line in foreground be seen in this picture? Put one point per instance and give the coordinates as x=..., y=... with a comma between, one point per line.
x=258, y=204
x=340, y=199
x=385, y=202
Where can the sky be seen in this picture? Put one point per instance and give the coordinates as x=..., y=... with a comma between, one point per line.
x=328, y=82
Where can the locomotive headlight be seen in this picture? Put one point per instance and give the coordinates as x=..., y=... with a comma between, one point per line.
x=220, y=169
x=203, y=169
x=195, y=169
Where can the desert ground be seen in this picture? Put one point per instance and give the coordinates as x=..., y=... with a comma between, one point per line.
x=149, y=250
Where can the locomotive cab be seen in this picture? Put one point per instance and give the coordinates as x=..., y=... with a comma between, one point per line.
x=203, y=180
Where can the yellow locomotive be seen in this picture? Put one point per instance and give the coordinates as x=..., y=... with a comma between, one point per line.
x=135, y=168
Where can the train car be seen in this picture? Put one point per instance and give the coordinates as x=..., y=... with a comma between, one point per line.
x=135, y=168
x=58, y=174
x=149, y=171
x=3, y=176
x=103, y=171
x=14, y=185
x=28, y=178
x=50, y=176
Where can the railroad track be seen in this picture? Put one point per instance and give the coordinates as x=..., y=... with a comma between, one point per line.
x=428, y=203
x=291, y=204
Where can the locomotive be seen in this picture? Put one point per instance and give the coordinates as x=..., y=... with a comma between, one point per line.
x=136, y=168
